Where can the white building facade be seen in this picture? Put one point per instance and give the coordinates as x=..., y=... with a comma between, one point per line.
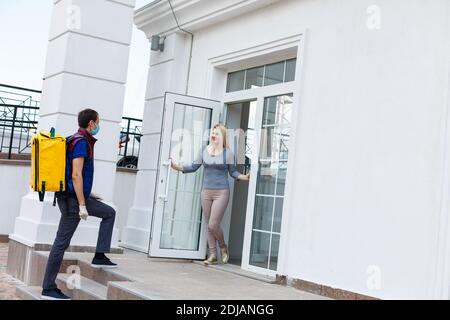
x=346, y=105
x=358, y=200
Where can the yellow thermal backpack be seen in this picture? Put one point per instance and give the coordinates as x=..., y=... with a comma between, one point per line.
x=48, y=163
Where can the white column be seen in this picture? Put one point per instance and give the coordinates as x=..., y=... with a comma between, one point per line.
x=167, y=73
x=87, y=61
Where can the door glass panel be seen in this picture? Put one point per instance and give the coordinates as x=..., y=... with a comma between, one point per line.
x=267, y=179
x=259, y=249
x=275, y=245
x=281, y=178
x=271, y=177
x=263, y=213
x=182, y=214
x=277, y=215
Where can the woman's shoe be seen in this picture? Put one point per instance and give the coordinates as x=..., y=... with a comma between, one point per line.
x=212, y=259
x=225, y=255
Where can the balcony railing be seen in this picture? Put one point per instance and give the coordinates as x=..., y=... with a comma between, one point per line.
x=19, y=115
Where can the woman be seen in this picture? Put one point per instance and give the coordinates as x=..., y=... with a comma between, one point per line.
x=217, y=160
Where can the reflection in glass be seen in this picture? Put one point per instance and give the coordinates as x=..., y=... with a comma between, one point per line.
x=281, y=178
x=274, y=74
x=265, y=75
x=277, y=214
x=236, y=81
x=290, y=70
x=266, y=178
x=254, y=78
x=275, y=241
x=259, y=249
x=263, y=213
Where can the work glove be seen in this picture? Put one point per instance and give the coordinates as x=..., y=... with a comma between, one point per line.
x=83, y=213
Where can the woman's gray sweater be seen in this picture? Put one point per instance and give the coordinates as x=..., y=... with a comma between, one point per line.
x=216, y=168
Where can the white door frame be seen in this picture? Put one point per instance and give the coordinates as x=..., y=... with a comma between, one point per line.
x=258, y=94
x=215, y=87
x=163, y=177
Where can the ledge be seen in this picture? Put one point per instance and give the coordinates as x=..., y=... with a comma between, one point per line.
x=15, y=156
x=25, y=163
x=16, y=159
x=127, y=170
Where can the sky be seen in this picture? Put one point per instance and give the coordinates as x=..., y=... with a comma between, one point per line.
x=24, y=30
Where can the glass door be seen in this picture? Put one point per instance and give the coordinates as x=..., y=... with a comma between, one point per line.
x=178, y=230
x=267, y=186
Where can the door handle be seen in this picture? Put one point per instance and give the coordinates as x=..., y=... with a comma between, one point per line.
x=165, y=196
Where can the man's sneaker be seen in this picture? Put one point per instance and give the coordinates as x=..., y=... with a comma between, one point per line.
x=103, y=263
x=54, y=294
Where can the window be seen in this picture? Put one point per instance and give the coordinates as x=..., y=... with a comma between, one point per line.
x=236, y=81
x=254, y=77
x=265, y=75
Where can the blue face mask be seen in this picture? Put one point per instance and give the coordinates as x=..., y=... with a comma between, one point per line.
x=96, y=130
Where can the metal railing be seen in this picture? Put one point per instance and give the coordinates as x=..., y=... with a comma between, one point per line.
x=129, y=142
x=19, y=110
x=19, y=115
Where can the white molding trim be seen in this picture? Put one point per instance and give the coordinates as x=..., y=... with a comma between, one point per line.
x=267, y=48
x=156, y=17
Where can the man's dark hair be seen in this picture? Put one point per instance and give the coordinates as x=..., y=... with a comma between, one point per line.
x=85, y=116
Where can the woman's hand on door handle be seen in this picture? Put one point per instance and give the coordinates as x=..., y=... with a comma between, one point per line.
x=175, y=166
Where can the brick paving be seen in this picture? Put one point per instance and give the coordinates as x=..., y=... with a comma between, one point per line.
x=7, y=283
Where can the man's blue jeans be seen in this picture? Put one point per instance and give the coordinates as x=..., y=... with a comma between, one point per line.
x=68, y=205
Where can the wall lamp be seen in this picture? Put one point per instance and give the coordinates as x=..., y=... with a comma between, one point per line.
x=158, y=43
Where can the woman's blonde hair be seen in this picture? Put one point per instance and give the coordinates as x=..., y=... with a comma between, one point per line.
x=224, y=133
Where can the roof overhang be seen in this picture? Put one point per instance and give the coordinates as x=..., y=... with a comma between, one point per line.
x=156, y=18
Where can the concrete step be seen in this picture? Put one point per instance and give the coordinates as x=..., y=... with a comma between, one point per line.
x=75, y=260
x=100, y=275
x=80, y=288
x=39, y=264
x=29, y=293
x=126, y=290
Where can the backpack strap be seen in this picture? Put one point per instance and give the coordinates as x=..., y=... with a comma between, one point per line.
x=71, y=142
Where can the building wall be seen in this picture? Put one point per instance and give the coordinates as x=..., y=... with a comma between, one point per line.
x=14, y=185
x=369, y=142
x=123, y=196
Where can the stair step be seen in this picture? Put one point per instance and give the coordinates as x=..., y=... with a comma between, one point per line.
x=100, y=275
x=29, y=293
x=82, y=289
